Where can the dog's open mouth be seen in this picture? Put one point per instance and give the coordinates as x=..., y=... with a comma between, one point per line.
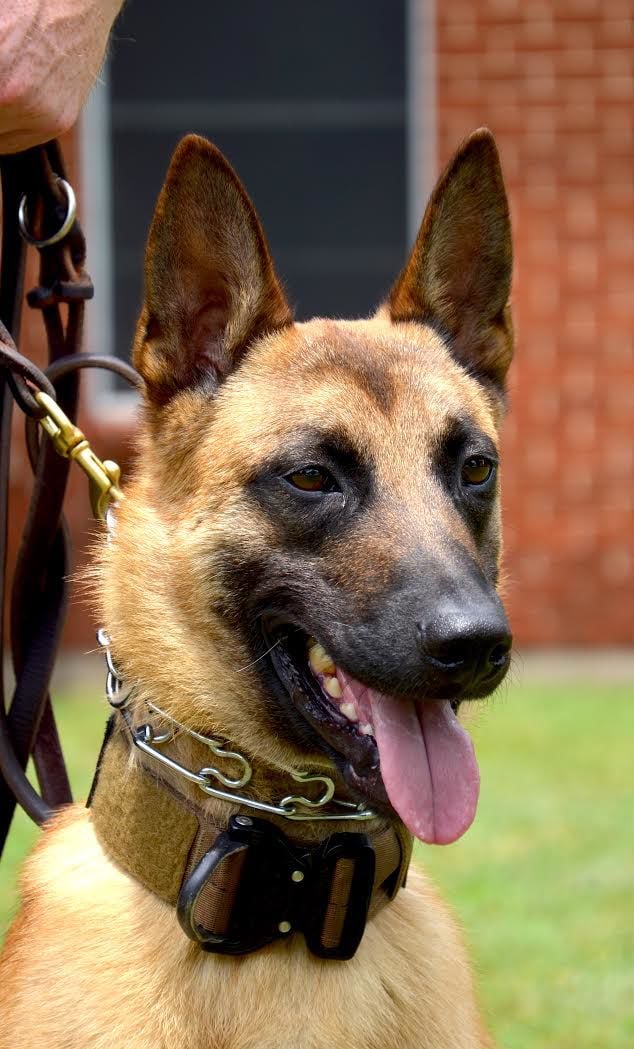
x=412, y=753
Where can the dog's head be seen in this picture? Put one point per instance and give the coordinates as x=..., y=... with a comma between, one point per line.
x=307, y=560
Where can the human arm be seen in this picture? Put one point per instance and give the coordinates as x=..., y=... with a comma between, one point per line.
x=50, y=54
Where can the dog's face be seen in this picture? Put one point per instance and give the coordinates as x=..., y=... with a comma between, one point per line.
x=307, y=562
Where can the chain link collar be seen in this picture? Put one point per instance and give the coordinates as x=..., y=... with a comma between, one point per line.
x=149, y=740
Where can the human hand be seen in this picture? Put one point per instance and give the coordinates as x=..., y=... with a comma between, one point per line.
x=50, y=54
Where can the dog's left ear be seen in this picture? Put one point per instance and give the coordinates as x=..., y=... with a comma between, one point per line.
x=458, y=275
x=210, y=286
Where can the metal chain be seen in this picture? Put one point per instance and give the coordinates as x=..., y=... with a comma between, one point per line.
x=148, y=741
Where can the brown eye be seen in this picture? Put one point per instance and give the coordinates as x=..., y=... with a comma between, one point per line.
x=477, y=470
x=312, y=479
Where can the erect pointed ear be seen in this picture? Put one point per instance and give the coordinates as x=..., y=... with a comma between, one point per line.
x=458, y=275
x=210, y=286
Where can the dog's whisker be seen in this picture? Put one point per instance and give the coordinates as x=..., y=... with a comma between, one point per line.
x=264, y=654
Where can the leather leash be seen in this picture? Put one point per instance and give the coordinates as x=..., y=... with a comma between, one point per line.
x=38, y=209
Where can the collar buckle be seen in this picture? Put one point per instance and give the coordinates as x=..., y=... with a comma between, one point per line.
x=253, y=886
x=344, y=879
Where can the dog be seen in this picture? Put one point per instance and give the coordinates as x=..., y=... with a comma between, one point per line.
x=299, y=589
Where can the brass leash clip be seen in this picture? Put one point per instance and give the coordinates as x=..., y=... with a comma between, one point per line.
x=69, y=441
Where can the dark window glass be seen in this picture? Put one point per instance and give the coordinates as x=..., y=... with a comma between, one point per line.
x=307, y=100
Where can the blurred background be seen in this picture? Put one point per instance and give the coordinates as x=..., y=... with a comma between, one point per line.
x=338, y=118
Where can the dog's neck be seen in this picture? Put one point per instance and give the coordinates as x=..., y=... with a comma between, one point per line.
x=212, y=773
x=239, y=881
x=211, y=770
x=181, y=811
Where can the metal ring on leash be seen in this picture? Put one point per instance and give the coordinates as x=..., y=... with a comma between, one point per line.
x=67, y=224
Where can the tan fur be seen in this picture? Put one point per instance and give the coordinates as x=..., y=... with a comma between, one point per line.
x=97, y=961
x=94, y=960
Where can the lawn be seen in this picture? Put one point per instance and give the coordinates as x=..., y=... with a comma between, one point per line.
x=544, y=881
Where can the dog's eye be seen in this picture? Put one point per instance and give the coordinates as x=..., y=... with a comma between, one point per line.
x=312, y=479
x=477, y=470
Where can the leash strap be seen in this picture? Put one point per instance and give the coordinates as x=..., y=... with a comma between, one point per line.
x=239, y=886
x=38, y=208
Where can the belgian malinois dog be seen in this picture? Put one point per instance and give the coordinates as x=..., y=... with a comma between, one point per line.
x=303, y=576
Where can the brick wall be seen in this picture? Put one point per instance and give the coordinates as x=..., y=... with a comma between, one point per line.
x=554, y=80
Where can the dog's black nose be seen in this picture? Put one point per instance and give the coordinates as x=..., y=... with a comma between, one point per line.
x=467, y=648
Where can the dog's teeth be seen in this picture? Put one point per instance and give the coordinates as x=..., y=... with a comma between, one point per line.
x=333, y=688
x=319, y=660
x=349, y=712
x=365, y=730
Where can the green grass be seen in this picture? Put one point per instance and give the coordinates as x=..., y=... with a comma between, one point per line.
x=544, y=881
x=82, y=724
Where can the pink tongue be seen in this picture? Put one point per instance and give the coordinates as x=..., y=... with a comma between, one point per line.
x=428, y=766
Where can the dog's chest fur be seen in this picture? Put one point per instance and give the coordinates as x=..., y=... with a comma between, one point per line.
x=108, y=966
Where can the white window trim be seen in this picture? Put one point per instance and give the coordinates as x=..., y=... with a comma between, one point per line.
x=96, y=216
x=421, y=109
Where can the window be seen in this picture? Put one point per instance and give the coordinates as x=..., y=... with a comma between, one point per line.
x=309, y=103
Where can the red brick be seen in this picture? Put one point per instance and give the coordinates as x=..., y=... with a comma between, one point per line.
x=554, y=77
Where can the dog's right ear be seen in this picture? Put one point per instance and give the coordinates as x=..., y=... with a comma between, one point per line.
x=210, y=286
